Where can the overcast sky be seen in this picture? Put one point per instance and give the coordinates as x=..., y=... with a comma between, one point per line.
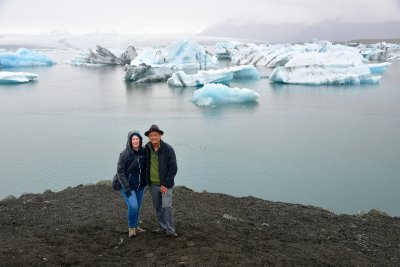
x=180, y=16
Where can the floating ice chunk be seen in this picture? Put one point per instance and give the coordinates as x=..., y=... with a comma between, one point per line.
x=16, y=77
x=182, y=79
x=341, y=58
x=178, y=55
x=128, y=55
x=378, y=67
x=103, y=56
x=339, y=67
x=276, y=55
x=223, y=50
x=318, y=75
x=380, y=51
x=24, y=58
x=144, y=74
x=216, y=94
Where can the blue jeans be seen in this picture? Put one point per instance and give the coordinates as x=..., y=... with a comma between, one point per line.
x=134, y=202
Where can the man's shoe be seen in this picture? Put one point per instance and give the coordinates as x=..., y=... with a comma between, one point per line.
x=140, y=230
x=173, y=235
x=132, y=232
x=158, y=231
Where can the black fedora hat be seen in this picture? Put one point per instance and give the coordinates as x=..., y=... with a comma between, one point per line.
x=153, y=128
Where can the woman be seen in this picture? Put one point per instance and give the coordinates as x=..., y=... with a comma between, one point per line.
x=132, y=176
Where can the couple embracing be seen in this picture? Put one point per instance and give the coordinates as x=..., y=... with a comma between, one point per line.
x=153, y=165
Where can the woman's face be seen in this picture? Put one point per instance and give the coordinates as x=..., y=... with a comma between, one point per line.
x=135, y=142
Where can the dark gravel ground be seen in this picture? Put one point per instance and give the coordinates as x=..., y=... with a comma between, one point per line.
x=86, y=226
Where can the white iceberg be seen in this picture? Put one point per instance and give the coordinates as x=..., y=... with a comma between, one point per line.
x=324, y=75
x=277, y=55
x=216, y=94
x=24, y=58
x=223, y=50
x=185, y=54
x=181, y=79
x=380, y=51
x=17, y=77
x=103, y=56
x=337, y=68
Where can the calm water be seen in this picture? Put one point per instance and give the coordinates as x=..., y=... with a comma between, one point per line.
x=333, y=147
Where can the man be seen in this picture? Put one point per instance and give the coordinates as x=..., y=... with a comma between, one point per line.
x=160, y=174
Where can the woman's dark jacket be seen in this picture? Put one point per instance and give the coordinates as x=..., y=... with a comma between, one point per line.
x=131, y=167
x=167, y=166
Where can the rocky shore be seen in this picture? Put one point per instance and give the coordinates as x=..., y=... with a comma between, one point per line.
x=86, y=226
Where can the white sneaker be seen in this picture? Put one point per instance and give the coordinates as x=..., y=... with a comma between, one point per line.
x=132, y=232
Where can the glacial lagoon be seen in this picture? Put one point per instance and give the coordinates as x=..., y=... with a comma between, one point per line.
x=335, y=147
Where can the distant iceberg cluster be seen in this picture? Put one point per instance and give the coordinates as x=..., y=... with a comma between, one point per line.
x=185, y=63
x=216, y=94
x=315, y=63
x=24, y=58
x=8, y=77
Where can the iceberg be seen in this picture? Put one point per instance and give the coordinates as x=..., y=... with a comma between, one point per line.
x=103, y=56
x=223, y=50
x=24, y=58
x=181, y=79
x=277, y=55
x=337, y=68
x=144, y=74
x=185, y=54
x=216, y=94
x=378, y=68
x=380, y=51
x=324, y=75
x=16, y=77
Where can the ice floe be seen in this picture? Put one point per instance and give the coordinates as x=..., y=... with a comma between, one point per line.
x=378, y=68
x=380, y=51
x=216, y=94
x=144, y=74
x=24, y=58
x=337, y=68
x=183, y=54
x=202, y=77
x=16, y=77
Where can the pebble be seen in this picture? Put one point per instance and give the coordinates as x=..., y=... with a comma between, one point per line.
x=190, y=244
x=150, y=255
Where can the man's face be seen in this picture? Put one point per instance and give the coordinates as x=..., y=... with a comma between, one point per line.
x=154, y=137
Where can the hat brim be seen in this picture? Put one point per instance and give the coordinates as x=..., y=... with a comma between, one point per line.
x=149, y=131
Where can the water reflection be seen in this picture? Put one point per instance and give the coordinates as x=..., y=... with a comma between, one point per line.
x=234, y=109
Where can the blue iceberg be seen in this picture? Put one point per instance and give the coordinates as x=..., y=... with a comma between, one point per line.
x=378, y=67
x=16, y=77
x=24, y=58
x=181, y=79
x=215, y=94
x=182, y=54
